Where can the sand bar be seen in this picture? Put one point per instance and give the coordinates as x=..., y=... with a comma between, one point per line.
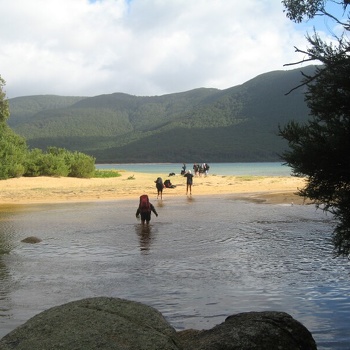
x=131, y=185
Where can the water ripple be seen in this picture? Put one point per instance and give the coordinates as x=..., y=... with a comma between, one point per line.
x=197, y=263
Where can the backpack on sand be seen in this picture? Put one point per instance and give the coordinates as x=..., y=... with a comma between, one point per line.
x=145, y=205
x=167, y=183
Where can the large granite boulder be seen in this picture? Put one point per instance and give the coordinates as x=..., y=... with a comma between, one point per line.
x=111, y=323
x=267, y=330
x=94, y=323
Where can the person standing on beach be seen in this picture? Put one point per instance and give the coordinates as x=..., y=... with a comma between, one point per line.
x=159, y=186
x=196, y=169
x=189, y=181
x=145, y=208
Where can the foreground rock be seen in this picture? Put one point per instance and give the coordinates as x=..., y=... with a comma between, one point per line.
x=96, y=323
x=110, y=323
x=267, y=330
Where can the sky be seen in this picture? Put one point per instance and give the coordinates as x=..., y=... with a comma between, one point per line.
x=142, y=47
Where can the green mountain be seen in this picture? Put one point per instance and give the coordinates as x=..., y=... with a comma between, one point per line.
x=238, y=124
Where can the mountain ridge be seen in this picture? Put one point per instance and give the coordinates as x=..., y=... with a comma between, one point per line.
x=200, y=125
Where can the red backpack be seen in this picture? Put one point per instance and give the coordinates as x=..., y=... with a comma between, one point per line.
x=145, y=205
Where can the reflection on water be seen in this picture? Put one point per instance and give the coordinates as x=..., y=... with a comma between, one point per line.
x=145, y=236
x=201, y=260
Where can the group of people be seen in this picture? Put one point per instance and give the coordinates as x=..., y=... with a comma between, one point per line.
x=200, y=169
x=145, y=208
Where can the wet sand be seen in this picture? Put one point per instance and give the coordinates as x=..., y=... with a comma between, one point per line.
x=130, y=185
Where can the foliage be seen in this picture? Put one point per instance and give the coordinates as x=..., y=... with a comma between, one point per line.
x=4, y=105
x=12, y=153
x=53, y=165
x=299, y=10
x=236, y=124
x=319, y=149
x=33, y=163
x=16, y=160
x=25, y=107
x=80, y=164
x=59, y=162
x=106, y=173
x=12, y=147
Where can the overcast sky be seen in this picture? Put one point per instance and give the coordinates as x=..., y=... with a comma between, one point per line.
x=141, y=47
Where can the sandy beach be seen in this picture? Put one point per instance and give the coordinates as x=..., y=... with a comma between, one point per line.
x=129, y=185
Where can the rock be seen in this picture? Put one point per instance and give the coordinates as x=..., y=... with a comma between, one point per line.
x=112, y=323
x=94, y=323
x=31, y=240
x=267, y=330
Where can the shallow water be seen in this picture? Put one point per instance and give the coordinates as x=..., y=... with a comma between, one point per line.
x=201, y=260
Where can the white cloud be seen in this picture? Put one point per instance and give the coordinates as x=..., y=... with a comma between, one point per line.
x=140, y=47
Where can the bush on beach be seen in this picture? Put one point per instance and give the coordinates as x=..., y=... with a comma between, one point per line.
x=59, y=162
x=106, y=173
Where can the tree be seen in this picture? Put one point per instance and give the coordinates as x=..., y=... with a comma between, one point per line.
x=59, y=162
x=12, y=147
x=299, y=10
x=81, y=165
x=320, y=149
x=4, y=106
x=16, y=160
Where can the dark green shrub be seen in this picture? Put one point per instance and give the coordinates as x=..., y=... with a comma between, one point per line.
x=13, y=151
x=81, y=165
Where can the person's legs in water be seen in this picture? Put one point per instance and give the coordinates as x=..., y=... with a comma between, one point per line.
x=160, y=192
x=145, y=218
x=148, y=217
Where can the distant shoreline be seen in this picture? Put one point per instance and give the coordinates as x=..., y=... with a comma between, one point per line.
x=219, y=169
x=26, y=190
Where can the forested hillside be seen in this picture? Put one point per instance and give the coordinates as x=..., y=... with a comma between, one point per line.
x=203, y=125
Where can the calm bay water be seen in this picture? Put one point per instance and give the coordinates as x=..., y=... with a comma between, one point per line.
x=201, y=260
x=253, y=169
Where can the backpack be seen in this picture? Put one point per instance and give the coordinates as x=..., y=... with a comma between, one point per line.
x=145, y=205
x=167, y=183
x=159, y=183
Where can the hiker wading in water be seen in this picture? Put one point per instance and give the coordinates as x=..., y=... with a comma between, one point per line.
x=145, y=208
